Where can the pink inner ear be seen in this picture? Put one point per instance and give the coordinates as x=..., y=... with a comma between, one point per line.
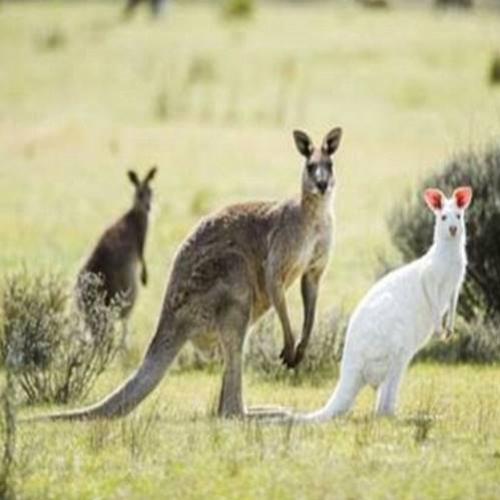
x=434, y=198
x=463, y=196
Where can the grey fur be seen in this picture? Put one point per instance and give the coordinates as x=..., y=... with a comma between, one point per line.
x=234, y=266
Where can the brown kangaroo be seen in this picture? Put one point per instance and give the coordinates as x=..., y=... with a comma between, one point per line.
x=234, y=266
x=119, y=251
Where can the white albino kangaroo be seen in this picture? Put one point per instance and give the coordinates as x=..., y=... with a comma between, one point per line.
x=400, y=312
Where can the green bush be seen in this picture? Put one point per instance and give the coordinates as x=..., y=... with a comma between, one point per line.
x=54, y=354
x=474, y=342
x=411, y=229
x=495, y=70
x=238, y=9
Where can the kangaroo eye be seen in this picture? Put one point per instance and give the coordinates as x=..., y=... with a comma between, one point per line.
x=444, y=217
x=458, y=216
x=311, y=167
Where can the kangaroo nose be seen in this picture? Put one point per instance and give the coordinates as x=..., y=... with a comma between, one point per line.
x=453, y=230
x=322, y=185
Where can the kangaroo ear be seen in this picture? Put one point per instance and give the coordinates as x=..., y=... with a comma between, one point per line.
x=434, y=199
x=303, y=143
x=150, y=176
x=463, y=196
x=331, y=141
x=133, y=178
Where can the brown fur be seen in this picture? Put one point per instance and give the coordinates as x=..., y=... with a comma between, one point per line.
x=120, y=251
x=234, y=266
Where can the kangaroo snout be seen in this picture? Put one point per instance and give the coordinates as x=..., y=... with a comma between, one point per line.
x=453, y=230
x=322, y=186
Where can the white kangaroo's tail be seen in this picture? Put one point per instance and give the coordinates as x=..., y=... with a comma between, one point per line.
x=339, y=403
x=161, y=352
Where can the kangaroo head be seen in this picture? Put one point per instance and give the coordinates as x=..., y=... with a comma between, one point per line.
x=143, y=192
x=318, y=177
x=448, y=212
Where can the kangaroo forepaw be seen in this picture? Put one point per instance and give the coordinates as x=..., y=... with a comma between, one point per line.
x=287, y=356
x=299, y=353
x=447, y=334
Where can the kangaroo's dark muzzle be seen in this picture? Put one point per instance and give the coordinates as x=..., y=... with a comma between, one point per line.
x=322, y=186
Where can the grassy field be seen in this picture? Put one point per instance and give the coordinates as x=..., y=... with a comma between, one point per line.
x=445, y=444
x=84, y=96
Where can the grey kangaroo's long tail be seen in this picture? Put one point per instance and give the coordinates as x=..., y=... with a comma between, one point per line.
x=159, y=356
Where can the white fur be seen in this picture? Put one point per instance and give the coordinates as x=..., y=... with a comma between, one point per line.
x=397, y=317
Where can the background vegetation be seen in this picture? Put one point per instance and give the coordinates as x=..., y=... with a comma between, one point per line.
x=212, y=101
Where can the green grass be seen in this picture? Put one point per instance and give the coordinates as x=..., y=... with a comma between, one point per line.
x=84, y=96
x=445, y=444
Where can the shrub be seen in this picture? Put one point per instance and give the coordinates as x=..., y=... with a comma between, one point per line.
x=7, y=435
x=322, y=356
x=495, y=70
x=411, y=228
x=374, y=4
x=56, y=354
x=464, y=4
x=474, y=342
x=201, y=69
x=161, y=108
x=264, y=345
x=238, y=9
x=51, y=39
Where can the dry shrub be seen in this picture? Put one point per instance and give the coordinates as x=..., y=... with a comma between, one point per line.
x=56, y=354
x=7, y=435
x=264, y=345
x=322, y=356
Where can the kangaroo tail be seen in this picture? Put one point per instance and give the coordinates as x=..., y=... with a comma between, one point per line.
x=339, y=403
x=159, y=356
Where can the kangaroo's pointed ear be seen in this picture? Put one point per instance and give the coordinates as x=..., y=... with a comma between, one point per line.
x=434, y=199
x=331, y=141
x=303, y=143
x=463, y=196
x=150, y=176
x=133, y=178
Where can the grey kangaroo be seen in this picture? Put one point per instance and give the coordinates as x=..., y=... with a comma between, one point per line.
x=157, y=6
x=234, y=266
x=119, y=252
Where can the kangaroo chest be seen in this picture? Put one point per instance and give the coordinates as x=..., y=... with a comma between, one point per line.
x=449, y=283
x=448, y=279
x=306, y=247
x=313, y=251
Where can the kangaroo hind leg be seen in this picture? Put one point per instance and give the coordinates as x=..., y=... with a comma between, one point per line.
x=232, y=335
x=232, y=332
x=387, y=393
